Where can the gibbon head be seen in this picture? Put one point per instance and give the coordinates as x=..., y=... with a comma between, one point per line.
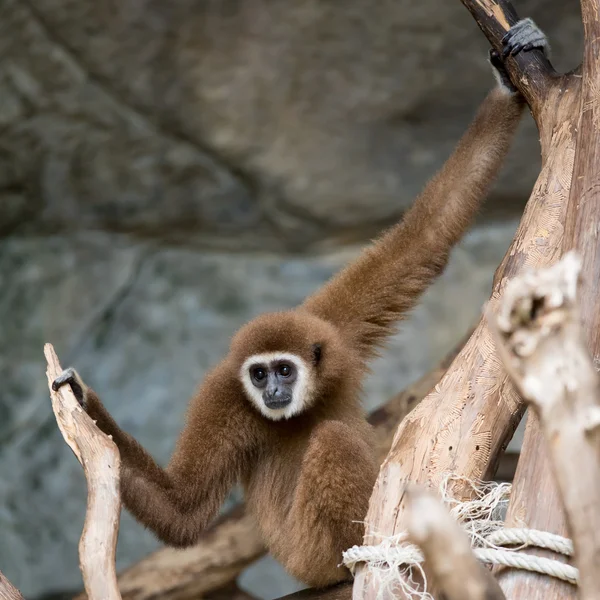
x=287, y=362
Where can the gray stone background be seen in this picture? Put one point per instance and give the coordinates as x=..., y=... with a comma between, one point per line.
x=170, y=170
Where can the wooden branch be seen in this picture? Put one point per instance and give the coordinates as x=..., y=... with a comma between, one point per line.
x=99, y=457
x=7, y=590
x=540, y=339
x=464, y=424
x=534, y=479
x=223, y=552
x=531, y=71
x=447, y=550
x=583, y=217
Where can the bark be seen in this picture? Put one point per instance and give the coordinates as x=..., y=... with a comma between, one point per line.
x=583, y=212
x=224, y=551
x=539, y=336
x=100, y=459
x=534, y=481
x=7, y=590
x=465, y=423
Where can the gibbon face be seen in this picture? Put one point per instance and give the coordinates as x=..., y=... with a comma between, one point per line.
x=279, y=384
x=288, y=362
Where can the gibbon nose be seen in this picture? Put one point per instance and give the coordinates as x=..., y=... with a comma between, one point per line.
x=276, y=398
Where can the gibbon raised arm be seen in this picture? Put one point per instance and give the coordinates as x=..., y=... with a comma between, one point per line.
x=281, y=413
x=404, y=261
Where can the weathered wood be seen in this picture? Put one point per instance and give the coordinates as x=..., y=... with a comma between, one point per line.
x=541, y=341
x=464, y=424
x=583, y=217
x=449, y=560
x=7, y=590
x=534, y=478
x=536, y=504
x=100, y=459
x=224, y=551
x=531, y=71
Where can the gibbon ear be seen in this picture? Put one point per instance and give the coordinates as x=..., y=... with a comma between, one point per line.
x=316, y=351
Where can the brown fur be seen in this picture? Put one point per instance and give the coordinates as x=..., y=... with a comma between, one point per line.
x=308, y=479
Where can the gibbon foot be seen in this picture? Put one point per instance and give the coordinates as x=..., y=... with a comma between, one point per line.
x=71, y=377
x=522, y=37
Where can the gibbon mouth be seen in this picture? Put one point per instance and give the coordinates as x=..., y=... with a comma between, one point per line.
x=278, y=403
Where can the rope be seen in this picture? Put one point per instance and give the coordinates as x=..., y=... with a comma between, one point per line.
x=528, y=562
x=531, y=537
x=409, y=555
x=393, y=558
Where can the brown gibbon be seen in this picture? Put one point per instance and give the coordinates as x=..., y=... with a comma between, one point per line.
x=281, y=413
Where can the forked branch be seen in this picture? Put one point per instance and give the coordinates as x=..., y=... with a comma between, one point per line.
x=99, y=457
x=539, y=337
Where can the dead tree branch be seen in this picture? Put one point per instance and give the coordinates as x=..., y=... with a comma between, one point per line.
x=464, y=424
x=447, y=550
x=99, y=457
x=7, y=590
x=531, y=71
x=224, y=551
x=540, y=339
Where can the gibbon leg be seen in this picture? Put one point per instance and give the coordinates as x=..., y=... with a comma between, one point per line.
x=330, y=504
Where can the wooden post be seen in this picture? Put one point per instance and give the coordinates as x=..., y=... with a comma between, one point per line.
x=539, y=336
x=465, y=423
x=535, y=503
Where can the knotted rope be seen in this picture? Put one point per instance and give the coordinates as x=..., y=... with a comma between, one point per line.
x=394, y=559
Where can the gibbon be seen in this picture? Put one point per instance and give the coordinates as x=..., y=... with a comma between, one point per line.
x=281, y=413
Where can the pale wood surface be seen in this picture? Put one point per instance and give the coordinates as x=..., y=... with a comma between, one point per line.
x=99, y=457
x=536, y=504
x=543, y=345
x=7, y=590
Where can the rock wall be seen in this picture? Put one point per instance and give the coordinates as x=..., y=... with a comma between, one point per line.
x=169, y=170
x=241, y=124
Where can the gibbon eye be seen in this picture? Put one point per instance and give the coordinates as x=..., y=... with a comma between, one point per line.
x=285, y=370
x=259, y=374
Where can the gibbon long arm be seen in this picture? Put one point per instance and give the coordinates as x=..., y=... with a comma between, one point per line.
x=405, y=260
x=179, y=502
